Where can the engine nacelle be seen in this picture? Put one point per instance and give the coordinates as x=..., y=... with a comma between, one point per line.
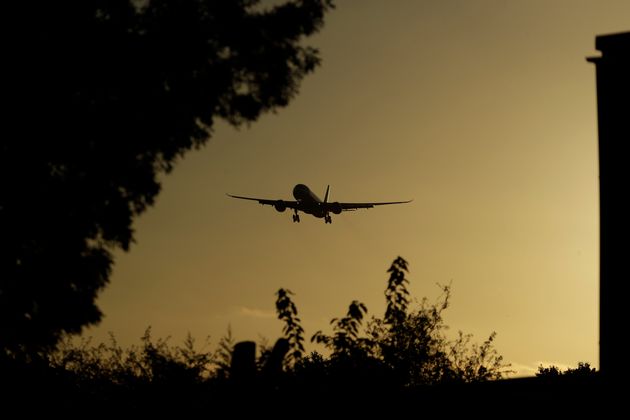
x=335, y=207
x=280, y=206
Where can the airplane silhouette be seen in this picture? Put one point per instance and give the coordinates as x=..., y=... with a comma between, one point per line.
x=306, y=201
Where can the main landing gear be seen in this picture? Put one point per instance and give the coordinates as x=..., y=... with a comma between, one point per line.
x=296, y=217
x=328, y=218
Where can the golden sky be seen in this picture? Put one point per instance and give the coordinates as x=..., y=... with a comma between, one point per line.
x=483, y=112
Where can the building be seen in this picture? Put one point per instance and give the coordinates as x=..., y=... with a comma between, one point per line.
x=613, y=112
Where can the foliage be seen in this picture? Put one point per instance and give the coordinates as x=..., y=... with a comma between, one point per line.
x=345, y=342
x=152, y=362
x=293, y=331
x=396, y=293
x=406, y=349
x=583, y=369
x=223, y=354
x=103, y=97
x=409, y=347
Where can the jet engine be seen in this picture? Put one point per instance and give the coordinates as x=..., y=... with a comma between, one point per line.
x=280, y=206
x=335, y=207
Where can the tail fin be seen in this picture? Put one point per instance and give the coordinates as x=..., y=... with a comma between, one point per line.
x=326, y=196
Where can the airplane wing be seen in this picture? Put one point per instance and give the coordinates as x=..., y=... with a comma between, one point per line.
x=265, y=201
x=356, y=206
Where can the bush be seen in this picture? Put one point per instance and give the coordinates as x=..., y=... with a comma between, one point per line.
x=405, y=348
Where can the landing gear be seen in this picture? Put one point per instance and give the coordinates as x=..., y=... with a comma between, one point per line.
x=296, y=217
x=328, y=218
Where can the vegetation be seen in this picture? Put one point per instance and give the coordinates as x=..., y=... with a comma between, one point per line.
x=103, y=98
x=405, y=349
x=287, y=312
x=582, y=370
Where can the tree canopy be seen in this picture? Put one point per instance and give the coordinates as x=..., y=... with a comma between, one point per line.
x=406, y=348
x=105, y=95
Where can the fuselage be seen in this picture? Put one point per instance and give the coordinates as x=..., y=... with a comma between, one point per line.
x=308, y=201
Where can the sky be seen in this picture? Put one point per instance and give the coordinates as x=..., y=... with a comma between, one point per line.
x=483, y=112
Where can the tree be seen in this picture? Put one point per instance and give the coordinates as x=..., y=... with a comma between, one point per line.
x=405, y=348
x=105, y=95
x=345, y=343
x=293, y=331
x=582, y=370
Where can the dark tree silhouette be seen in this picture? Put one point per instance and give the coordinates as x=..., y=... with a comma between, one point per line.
x=345, y=342
x=583, y=369
x=407, y=347
x=105, y=95
x=372, y=363
x=396, y=293
x=293, y=331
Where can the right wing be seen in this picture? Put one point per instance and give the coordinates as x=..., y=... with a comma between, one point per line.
x=265, y=201
x=355, y=206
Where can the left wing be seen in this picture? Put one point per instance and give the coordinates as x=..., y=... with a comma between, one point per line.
x=265, y=201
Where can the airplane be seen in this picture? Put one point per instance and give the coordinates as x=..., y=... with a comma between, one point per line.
x=306, y=201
